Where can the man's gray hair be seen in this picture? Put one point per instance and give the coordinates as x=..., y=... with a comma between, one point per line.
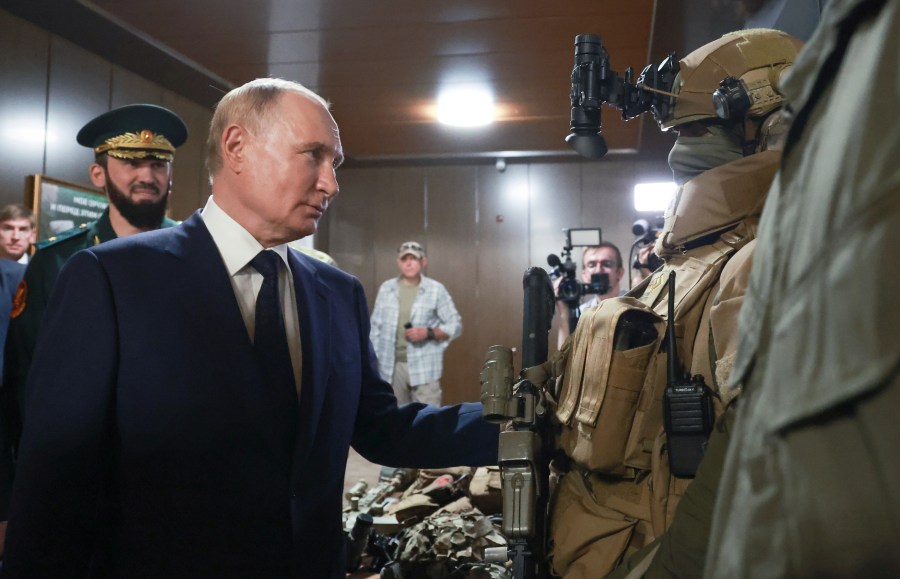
x=250, y=106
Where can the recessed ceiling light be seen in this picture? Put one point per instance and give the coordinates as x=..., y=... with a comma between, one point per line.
x=465, y=106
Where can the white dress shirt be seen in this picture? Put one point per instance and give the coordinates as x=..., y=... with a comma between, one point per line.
x=238, y=248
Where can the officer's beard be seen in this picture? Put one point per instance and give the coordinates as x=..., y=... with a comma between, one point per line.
x=144, y=215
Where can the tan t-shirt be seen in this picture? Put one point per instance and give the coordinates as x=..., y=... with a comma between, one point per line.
x=407, y=295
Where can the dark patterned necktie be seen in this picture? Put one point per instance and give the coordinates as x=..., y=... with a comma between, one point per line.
x=270, y=338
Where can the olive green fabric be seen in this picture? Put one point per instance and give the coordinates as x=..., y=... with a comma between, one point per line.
x=811, y=479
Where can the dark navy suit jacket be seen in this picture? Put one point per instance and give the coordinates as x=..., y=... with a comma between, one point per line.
x=11, y=273
x=152, y=447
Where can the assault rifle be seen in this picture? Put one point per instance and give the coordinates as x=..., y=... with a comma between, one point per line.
x=523, y=453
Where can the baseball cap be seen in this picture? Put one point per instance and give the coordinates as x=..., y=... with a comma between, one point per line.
x=413, y=248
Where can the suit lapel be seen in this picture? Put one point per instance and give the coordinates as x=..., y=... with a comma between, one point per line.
x=212, y=303
x=205, y=281
x=315, y=336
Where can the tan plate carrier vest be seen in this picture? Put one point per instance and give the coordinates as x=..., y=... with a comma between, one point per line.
x=605, y=387
x=610, y=404
x=609, y=409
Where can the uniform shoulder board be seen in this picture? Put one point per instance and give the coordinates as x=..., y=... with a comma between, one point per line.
x=19, y=300
x=63, y=236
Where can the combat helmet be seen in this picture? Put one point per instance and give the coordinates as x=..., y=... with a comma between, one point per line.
x=732, y=79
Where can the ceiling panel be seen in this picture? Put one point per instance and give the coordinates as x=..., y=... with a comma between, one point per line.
x=381, y=64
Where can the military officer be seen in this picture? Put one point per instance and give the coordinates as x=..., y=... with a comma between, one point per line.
x=134, y=147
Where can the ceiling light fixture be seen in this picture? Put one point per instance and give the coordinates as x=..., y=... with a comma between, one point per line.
x=654, y=196
x=465, y=106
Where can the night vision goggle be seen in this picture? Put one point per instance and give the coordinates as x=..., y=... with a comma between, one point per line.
x=594, y=82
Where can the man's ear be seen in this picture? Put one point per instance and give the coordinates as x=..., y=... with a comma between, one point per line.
x=234, y=143
x=424, y=262
x=98, y=175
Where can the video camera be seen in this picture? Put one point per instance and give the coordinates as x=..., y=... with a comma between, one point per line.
x=570, y=289
x=595, y=83
x=645, y=232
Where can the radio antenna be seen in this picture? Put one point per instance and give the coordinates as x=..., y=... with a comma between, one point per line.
x=670, y=332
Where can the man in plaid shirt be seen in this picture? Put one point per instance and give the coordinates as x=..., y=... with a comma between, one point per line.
x=412, y=324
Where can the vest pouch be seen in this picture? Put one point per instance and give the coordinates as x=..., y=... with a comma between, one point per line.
x=589, y=538
x=611, y=350
x=696, y=282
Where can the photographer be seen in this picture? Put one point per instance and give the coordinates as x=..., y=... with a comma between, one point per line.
x=604, y=258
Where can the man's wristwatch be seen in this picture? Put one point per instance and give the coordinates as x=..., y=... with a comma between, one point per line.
x=431, y=333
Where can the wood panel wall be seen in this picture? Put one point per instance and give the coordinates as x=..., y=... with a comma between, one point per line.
x=481, y=228
x=49, y=88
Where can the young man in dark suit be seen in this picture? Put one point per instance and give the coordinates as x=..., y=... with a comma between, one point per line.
x=207, y=430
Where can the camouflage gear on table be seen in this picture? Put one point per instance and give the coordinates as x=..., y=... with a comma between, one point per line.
x=444, y=535
x=450, y=543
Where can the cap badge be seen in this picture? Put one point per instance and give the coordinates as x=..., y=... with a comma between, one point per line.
x=138, y=146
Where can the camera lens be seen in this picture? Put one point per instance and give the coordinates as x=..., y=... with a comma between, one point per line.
x=640, y=227
x=569, y=290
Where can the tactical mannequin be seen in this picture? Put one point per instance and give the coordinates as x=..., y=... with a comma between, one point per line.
x=619, y=493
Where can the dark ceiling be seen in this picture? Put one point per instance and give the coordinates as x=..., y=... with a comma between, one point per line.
x=381, y=63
